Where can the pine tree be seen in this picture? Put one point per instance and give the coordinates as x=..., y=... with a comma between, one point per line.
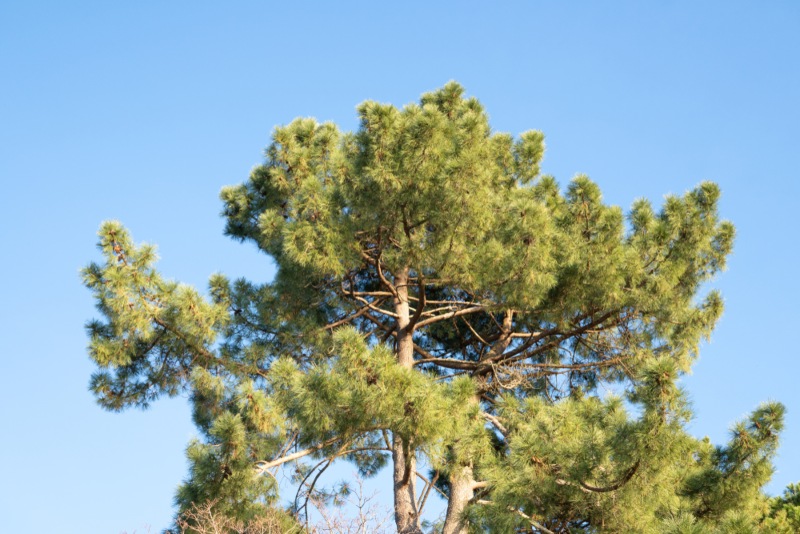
x=437, y=299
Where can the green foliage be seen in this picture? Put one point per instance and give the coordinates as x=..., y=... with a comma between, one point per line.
x=156, y=330
x=729, y=478
x=784, y=512
x=221, y=470
x=438, y=298
x=362, y=390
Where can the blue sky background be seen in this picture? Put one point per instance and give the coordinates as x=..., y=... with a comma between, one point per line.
x=141, y=111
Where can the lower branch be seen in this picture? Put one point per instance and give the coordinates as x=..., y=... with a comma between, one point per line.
x=263, y=466
x=532, y=521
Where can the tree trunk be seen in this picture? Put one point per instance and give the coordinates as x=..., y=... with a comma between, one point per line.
x=405, y=331
x=462, y=480
x=462, y=476
x=461, y=491
x=406, y=514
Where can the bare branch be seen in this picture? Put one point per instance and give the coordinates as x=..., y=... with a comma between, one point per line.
x=450, y=315
x=349, y=318
x=374, y=308
x=496, y=423
x=263, y=466
x=448, y=363
x=423, y=477
x=474, y=333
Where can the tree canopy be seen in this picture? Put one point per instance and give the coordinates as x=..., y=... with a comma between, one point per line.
x=442, y=307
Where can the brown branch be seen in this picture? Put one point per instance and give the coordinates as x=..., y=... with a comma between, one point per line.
x=347, y=319
x=616, y=485
x=525, y=334
x=289, y=443
x=327, y=461
x=420, y=305
x=434, y=311
x=198, y=349
x=450, y=315
x=504, y=340
x=263, y=466
x=450, y=303
x=370, y=293
x=448, y=363
x=572, y=366
x=428, y=489
x=374, y=308
x=376, y=262
x=474, y=333
x=520, y=353
x=496, y=423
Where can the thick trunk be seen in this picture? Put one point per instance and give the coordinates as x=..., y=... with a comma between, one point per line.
x=405, y=331
x=461, y=492
x=406, y=514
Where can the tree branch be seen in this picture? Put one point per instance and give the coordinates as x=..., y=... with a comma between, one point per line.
x=420, y=305
x=496, y=423
x=616, y=485
x=349, y=318
x=263, y=466
x=520, y=513
x=431, y=484
x=450, y=315
x=448, y=363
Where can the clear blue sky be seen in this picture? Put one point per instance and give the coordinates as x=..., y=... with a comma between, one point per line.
x=141, y=111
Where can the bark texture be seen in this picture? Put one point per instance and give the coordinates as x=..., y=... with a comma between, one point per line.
x=406, y=513
x=461, y=492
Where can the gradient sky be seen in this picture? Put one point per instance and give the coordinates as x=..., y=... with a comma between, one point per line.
x=141, y=111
